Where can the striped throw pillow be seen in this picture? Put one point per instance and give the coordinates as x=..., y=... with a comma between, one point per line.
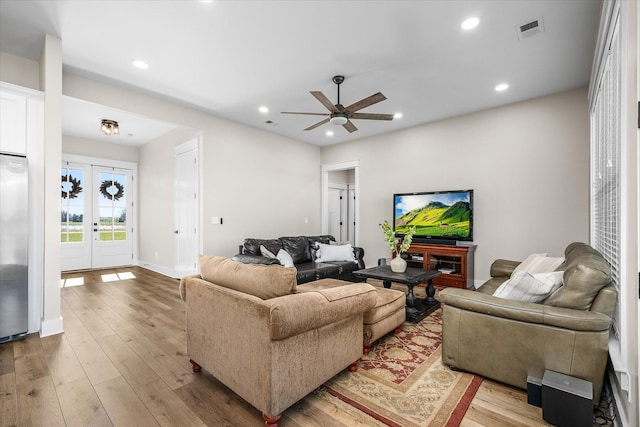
x=538, y=263
x=527, y=287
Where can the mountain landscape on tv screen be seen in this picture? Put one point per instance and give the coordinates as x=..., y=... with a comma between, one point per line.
x=437, y=220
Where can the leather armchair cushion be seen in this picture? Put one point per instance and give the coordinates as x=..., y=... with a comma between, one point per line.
x=586, y=272
x=262, y=281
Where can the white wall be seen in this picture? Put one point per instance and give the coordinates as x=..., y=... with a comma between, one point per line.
x=19, y=71
x=156, y=208
x=99, y=149
x=527, y=162
x=261, y=184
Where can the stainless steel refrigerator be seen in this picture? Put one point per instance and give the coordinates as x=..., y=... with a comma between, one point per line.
x=14, y=236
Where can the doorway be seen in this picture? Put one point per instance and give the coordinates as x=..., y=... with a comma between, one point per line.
x=97, y=215
x=187, y=208
x=350, y=170
x=341, y=206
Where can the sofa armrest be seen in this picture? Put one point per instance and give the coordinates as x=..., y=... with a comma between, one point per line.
x=254, y=259
x=293, y=314
x=489, y=305
x=183, y=285
x=503, y=267
x=358, y=253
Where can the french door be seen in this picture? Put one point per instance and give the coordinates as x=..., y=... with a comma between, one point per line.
x=96, y=212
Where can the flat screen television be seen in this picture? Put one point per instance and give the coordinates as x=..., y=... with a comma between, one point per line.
x=440, y=217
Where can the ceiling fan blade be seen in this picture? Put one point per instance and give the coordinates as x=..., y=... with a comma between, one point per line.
x=320, y=123
x=324, y=101
x=308, y=114
x=371, y=116
x=350, y=126
x=366, y=102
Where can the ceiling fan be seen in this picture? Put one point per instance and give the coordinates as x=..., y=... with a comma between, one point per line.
x=341, y=115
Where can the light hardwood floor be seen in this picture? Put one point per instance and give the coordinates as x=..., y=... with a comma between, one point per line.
x=122, y=361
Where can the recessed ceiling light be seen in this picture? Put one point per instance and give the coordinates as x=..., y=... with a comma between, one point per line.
x=397, y=116
x=470, y=23
x=329, y=133
x=502, y=87
x=263, y=110
x=138, y=63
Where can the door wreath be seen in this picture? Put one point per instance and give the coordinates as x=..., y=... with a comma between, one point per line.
x=75, y=187
x=106, y=185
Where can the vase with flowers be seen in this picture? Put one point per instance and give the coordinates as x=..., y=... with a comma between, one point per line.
x=398, y=264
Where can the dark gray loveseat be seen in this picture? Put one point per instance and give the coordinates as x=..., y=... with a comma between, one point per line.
x=303, y=252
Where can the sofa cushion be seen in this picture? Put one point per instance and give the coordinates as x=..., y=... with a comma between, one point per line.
x=586, y=272
x=310, y=271
x=297, y=247
x=527, y=287
x=252, y=246
x=335, y=253
x=262, y=281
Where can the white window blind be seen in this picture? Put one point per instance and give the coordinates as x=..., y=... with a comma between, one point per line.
x=605, y=166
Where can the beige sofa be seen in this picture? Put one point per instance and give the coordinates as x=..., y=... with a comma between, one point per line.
x=509, y=340
x=248, y=327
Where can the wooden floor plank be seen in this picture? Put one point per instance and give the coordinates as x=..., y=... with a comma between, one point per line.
x=214, y=404
x=133, y=368
x=29, y=360
x=7, y=364
x=91, y=321
x=174, y=374
x=80, y=404
x=122, y=404
x=94, y=361
x=166, y=406
x=61, y=360
x=38, y=404
x=8, y=400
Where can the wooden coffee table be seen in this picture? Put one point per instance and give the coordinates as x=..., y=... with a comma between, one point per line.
x=417, y=308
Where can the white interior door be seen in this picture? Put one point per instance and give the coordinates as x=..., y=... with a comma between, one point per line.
x=75, y=216
x=112, y=229
x=186, y=208
x=337, y=210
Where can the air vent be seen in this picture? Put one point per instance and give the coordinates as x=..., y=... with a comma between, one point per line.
x=530, y=29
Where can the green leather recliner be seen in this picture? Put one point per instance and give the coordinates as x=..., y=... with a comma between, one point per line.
x=509, y=340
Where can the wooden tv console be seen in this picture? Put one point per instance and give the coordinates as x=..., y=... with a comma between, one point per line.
x=454, y=262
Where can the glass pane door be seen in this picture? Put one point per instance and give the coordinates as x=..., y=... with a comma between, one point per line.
x=112, y=242
x=75, y=217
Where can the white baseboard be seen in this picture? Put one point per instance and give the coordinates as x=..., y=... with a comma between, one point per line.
x=169, y=272
x=51, y=327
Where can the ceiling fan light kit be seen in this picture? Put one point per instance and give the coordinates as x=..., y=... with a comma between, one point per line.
x=340, y=115
x=338, y=120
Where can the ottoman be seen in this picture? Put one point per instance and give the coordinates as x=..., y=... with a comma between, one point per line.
x=388, y=314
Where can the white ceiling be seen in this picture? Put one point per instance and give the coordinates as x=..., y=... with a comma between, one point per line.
x=82, y=119
x=230, y=57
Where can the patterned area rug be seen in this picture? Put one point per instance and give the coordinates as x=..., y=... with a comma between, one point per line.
x=402, y=381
